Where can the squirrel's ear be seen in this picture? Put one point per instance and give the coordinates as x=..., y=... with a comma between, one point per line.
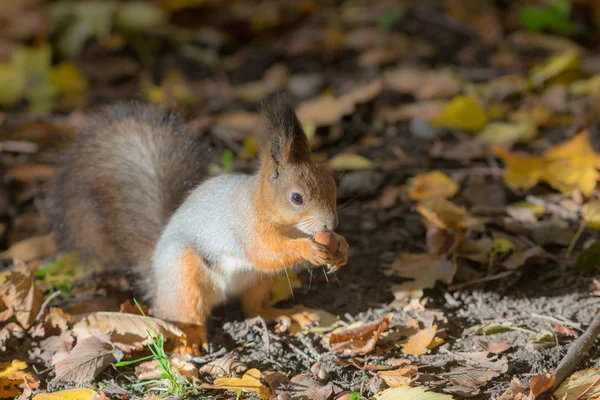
x=284, y=141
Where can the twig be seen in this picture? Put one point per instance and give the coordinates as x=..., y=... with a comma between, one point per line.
x=480, y=280
x=45, y=304
x=558, y=321
x=575, y=238
x=302, y=353
x=577, y=352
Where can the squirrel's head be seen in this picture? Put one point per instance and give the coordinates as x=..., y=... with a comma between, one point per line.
x=300, y=193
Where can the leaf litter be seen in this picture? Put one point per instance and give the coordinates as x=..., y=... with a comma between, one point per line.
x=443, y=105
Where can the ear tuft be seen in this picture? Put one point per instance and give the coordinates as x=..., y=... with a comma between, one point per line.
x=284, y=140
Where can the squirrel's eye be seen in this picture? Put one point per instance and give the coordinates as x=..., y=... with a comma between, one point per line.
x=297, y=199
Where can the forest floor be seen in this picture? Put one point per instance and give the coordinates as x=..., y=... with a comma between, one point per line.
x=463, y=145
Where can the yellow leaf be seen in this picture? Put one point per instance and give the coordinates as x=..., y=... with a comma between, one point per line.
x=398, y=377
x=591, y=214
x=281, y=288
x=445, y=214
x=68, y=79
x=506, y=132
x=463, y=112
x=575, y=385
x=12, y=376
x=572, y=165
x=349, y=161
x=71, y=394
x=12, y=82
x=250, y=148
x=431, y=184
x=554, y=66
x=418, y=343
x=410, y=393
x=523, y=171
x=585, y=87
x=250, y=382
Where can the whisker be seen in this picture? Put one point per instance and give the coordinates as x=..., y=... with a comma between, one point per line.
x=290, y=284
x=325, y=273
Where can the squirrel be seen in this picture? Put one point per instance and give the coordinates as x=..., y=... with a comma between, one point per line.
x=131, y=192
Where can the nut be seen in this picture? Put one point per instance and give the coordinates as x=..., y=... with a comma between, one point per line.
x=327, y=239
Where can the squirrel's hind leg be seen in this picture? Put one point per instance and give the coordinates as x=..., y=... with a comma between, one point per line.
x=185, y=296
x=255, y=302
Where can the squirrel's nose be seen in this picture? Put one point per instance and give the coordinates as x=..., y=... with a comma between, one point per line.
x=332, y=223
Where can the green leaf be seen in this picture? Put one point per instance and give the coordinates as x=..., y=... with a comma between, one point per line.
x=589, y=259
x=554, y=18
x=227, y=160
x=388, y=20
x=12, y=82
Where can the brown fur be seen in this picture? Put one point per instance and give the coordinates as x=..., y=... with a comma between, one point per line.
x=117, y=186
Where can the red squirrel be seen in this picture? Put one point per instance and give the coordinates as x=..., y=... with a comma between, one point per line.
x=130, y=192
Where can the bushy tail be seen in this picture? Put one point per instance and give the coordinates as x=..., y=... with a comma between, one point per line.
x=118, y=185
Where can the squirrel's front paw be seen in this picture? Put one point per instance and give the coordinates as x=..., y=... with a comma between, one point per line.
x=341, y=254
x=320, y=254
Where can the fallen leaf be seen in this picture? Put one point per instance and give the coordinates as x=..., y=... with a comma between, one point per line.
x=327, y=110
x=32, y=248
x=87, y=360
x=523, y=171
x=350, y=162
x=418, y=343
x=424, y=269
x=542, y=339
x=589, y=259
x=564, y=332
x=283, y=285
x=398, y=377
x=359, y=339
x=468, y=379
x=426, y=110
x=19, y=291
x=541, y=383
x=431, y=184
x=462, y=112
x=591, y=214
x=515, y=391
x=576, y=384
x=492, y=328
x=554, y=66
x=509, y=132
x=13, y=379
x=68, y=78
x=424, y=85
x=71, y=394
x=520, y=258
x=410, y=393
x=492, y=347
x=305, y=387
x=149, y=370
x=224, y=366
x=446, y=215
x=129, y=331
x=250, y=382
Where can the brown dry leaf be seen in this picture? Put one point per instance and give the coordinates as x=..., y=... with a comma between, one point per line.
x=410, y=393
x=427, y=110
x=53, y=348
x=418, y=343
x=492, y=347
x=71, y=394
x=224, y=366
x=18, y=290
x=541, y=383
x=519, y=258
x=305, y=387
x=564, y=332
x=13, y=379
x=359, y=339
x=573, y=387
x=28, y=173
x=150, y=369
x=398, y=377
x=327, y=110
x=129, y=331
x=237, y=125
x=431, y=184
x=128, y=307
x=424, y=269
x=87, y=360
x=424, y=85
x=447, y=215
x=32, y=248
x=349, y=162
x=250, y=382
x=468, y=380
x=516, y=391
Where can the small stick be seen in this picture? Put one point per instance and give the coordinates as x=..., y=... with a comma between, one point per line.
x=575, y=238
x=45, y=304
x=480, y=280
x=586, y=391
x=577, y=352
x=558, y=321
